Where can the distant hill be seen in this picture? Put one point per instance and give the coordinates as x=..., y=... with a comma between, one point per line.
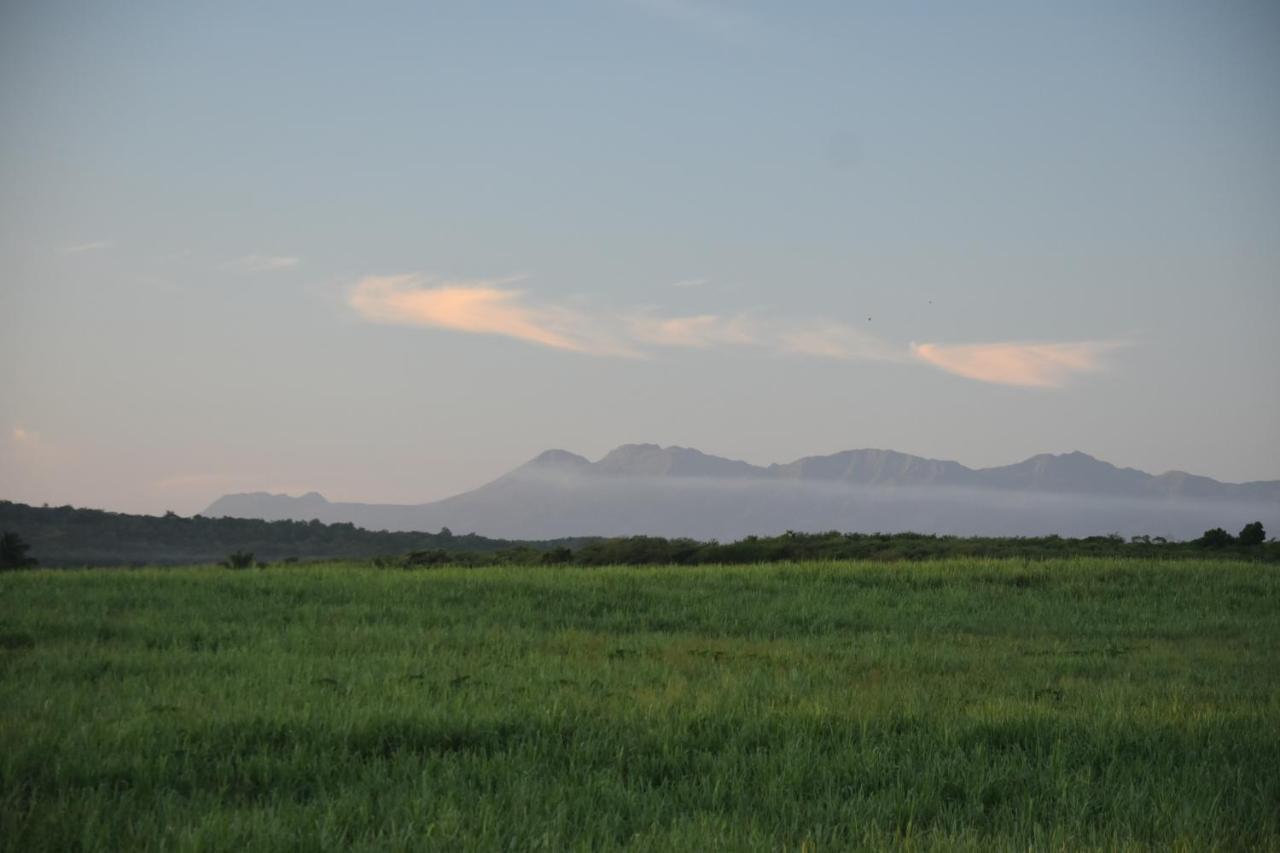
x=679, y=491
x=67, y=536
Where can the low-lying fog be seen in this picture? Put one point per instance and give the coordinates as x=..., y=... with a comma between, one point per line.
x=542, y=505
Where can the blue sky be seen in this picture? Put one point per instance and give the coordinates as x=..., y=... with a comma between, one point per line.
x=388, y=251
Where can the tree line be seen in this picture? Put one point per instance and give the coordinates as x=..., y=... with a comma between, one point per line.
x=834, y=545
x=63, y=536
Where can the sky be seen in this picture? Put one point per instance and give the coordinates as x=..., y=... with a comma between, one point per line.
x=388, y=251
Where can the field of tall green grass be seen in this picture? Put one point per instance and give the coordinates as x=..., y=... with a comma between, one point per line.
x=970, y=704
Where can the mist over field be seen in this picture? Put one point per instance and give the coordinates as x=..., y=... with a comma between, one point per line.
x=680, y=492
x=724, y=509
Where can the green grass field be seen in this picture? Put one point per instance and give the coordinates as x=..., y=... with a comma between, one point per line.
x=954, y=704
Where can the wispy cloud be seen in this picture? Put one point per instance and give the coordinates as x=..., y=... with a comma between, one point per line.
x=482, y=307
x=839, y=341
x=1032, y=365
x=80, y=248
x=689, y=282
x=494, y=307
x=700, y=331
x=262, y=263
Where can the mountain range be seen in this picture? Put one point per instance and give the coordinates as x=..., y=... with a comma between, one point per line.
x=679, y=491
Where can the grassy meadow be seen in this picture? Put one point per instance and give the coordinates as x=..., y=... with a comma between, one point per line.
x=957, y=704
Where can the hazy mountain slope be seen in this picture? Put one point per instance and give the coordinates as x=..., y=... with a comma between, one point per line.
x=267, y=506
x=677, y=491
x=1073, y=473
x=650, y=460
x=876, y=468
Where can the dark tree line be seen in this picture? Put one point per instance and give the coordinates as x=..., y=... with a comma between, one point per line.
x=1251, y=535
x=885, y=547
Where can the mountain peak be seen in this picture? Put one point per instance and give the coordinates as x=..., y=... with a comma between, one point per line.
x=1076, y=472
x=632, y=451
x=265, y=505
x=871, y=466
x=651, y=460
x=556, y=458
x=1070, y=456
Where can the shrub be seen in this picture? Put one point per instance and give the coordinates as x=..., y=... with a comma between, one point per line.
x=556, y=556
x=1252, y=534
x=426, y=558
x=1216, y=538
x=239, y=560
x=13, y=552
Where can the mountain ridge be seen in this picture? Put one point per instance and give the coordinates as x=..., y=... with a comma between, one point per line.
x=647, y=488
x=876, y=466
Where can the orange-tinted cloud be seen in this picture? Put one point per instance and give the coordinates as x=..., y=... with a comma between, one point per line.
x=480, y=307
x=1032, y=365
x=491, y=307
x=700, y=330
x=838, y=341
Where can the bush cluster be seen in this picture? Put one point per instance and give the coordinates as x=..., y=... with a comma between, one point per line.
x=833, y=545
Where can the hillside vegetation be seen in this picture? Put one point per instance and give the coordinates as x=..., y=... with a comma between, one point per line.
x=65, y=536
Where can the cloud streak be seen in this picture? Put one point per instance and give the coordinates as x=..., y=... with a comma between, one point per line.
x=839, y=341
x=482, y=307
x=1028, y=365
x=494, y=307
x=699, y=331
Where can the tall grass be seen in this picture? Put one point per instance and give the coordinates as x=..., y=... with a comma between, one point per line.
x=957, y=704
